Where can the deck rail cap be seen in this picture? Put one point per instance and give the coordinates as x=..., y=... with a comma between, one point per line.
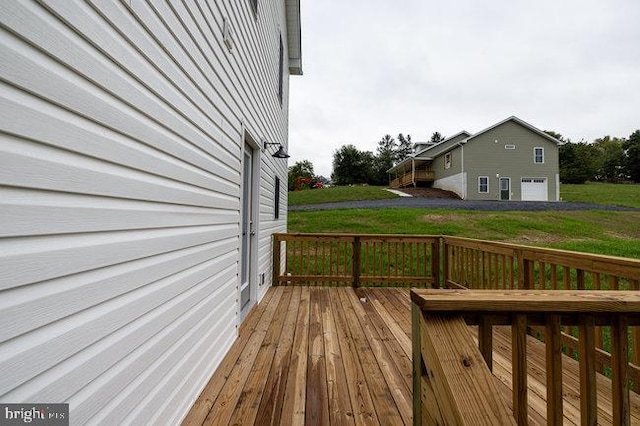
x=500, y=301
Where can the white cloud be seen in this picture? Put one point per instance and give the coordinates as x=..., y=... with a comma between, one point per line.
x=376, y=67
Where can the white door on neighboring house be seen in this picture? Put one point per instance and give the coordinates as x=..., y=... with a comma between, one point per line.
x=505, y=188
x=248, y=232
x=534, y=189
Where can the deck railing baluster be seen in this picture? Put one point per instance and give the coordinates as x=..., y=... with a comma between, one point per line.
x=582, y=308
x=588, y=390
x=519, y=368
x=554, y=369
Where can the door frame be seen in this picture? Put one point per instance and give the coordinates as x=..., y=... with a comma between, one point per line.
x=508, y=180
x=252, y=252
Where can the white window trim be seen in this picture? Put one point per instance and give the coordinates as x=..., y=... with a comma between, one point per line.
x=534, y=155
x=447, y=163
x=483, y=177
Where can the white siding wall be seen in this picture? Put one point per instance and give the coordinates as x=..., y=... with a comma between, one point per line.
x=453, y=183
x=120, y=149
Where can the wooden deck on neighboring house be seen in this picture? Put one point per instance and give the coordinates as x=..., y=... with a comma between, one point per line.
x=328, y=355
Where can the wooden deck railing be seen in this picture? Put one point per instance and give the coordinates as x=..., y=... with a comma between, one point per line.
x=428, y=261
x=451, y=387
x=410, y=178
x=477, y=264
x=354, y=260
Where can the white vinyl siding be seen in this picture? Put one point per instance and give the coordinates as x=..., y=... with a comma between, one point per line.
x=122, y=132
x=483, y=184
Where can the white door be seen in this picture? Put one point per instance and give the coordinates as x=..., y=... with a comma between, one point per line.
x=248, y=232
x=534, y=189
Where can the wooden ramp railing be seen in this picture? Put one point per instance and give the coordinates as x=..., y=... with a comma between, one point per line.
x=449, y=386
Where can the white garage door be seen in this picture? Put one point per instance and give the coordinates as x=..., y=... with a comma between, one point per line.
x=534, y=189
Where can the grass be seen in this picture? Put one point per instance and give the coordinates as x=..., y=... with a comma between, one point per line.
x=603, y=193
x=611, y=233
x=593, y=231
x=598, y=193
x=338, y=193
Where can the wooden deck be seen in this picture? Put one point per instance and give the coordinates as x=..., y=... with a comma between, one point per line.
x=319, y=356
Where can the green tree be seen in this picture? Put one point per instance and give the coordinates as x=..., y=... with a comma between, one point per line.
x=437, y=137
x=578, y=162
x=632, y=160
x=611, y=159
x=303, y=169
x=351, y=166
x=405, y=147
x=385, y=157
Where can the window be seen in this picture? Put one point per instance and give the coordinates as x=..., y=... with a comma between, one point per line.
x=276, y=199
x=280, y=71
x=483, y=184
x=538, y=155
x=447, y=160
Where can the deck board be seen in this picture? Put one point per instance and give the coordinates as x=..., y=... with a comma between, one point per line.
x=339, y=356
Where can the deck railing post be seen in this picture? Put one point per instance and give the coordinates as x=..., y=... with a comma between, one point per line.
x=355, y=262
x=525, y=272
x=620, y=371
x=485, y=340
x=588, y=393
x=275, y=268
x=417, y=364
x=553, y=346
x=519, y=369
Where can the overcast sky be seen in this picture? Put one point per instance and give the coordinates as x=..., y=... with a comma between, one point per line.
x=373, y=67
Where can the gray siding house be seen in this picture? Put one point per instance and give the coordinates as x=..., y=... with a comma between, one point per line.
x=511, y=160
x=138, y=195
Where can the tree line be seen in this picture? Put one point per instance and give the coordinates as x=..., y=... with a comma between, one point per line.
x=606, y=159
x=352, y=166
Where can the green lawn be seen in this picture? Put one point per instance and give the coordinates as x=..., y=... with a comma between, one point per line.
x=612, y=233
x=338, y=193
x=603, y=193
x=594, y=231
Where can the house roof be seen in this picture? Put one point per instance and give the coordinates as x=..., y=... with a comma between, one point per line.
x=464, y=132
x=522, y=123
x=430, y=149
x=431, y=152
x=294, y=37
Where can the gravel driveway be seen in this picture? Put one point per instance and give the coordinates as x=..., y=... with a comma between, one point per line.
x=444, y=203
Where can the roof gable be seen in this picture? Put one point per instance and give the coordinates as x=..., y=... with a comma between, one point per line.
x=520, y=122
